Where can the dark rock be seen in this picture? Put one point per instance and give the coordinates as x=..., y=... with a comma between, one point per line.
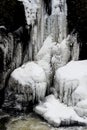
x=77, y=19
x=12, y=14
x=13, y=53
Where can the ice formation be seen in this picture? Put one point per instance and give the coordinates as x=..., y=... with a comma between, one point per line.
x=71, y=82
x=43, y=24
x=33, y=75
x=57, y=113
x=59, y=8
x=30, y=7
x=62, y=53
x=44, y=58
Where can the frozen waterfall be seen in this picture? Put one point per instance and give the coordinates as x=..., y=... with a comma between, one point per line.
x=44, y=24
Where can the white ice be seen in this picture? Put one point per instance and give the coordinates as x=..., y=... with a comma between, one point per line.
x=57, y=113
x=33, y=75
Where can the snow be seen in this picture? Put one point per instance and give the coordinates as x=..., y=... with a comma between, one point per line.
x=45, y=64
x=57, y=113
x=81, y=108
x=67, y=50
x=60, y=54
x=46, y=48
x=33, y=75
x=44, y=58
x=71, y=82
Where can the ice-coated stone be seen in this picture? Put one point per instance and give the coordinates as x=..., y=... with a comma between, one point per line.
x=26, y=84
x=71, y=83
x=81, y=108
x=57, y=113
x=67, y=50
x=44, y=58
x=46, y=48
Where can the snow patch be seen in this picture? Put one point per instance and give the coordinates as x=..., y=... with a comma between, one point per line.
x=71, y=82
x=33, y=75
x=57, y=113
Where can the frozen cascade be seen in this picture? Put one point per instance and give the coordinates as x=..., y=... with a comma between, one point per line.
x=59, y=8
x=30, y=7
x=56, y=23
x=44, y=24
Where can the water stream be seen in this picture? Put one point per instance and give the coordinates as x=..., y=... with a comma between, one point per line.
x=32, y=122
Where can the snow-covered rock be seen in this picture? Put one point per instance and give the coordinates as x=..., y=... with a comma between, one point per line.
x=67, y=50
x=45, y=64
x=71, y=82
x=26, y=84
x=60, y=54
x=81, y=108
x=44, y=58
x=46, y=48
x=57, y=113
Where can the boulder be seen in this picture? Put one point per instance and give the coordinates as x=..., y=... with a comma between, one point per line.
x=27, y=84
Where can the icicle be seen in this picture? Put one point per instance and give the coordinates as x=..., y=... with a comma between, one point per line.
x=40, y=91
x=59, y=8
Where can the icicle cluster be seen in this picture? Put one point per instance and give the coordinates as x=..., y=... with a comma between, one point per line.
x=30, y=7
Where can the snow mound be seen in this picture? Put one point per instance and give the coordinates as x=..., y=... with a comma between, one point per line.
x=57, y=113
x=33, y=75
x=27, y=85
x=46, y=48
x=71, y=82
x=28, y=71
x=81, y=108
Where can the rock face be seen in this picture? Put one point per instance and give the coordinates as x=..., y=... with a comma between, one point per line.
x=12, y=14
x=13, y=54
x=27, y=84
x=78, y=21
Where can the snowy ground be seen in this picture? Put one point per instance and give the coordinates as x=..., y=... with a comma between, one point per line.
x=57, y=113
